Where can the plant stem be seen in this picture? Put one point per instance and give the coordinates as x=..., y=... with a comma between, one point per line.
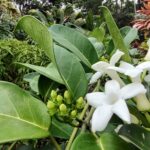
x=147, y=116
x=75, y=130
x=11, y=146
x=87, y=120
x=55, y=143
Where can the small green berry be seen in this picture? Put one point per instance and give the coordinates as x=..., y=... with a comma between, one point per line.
x=53, y=94
x=73, y=113
x=59, y=99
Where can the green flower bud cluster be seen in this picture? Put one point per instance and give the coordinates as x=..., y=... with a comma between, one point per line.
x=64, y=107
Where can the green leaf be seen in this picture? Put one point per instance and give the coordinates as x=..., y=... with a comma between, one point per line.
x=115, y=33
x=21, y=115
x=50, y=71
x=32, y=78
x=139, y=136
x=125, y=30
x=75, y=42
x=107, y=141
x=45, y=85
x=60, y=129
x=139, y=115
x=131, y=36
x=85, y=141
x=38, y=32
x=98, y=33
x=71, y=72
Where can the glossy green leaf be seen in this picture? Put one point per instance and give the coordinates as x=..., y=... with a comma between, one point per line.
x=71, y=72
x=139, y=136
x=21, y=115
x=115, y=33
x=107, y=141
x=50, y=71
x=85, y=141
x=38, y=32
x=60, y=129
x=75, y=42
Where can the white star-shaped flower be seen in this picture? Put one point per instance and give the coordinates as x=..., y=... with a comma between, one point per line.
x=103, y=68
x=132, y=71
x=112, y=101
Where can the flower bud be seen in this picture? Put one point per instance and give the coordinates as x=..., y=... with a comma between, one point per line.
x=63, y=108
x=50, y=105
x=80, y=103
x=73, y=113
x=53, y=94
x=67, y=97
x=59, y=99
x=52, y=108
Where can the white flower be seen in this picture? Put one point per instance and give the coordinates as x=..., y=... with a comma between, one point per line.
x=132, y=71
x=112, y=101
x=102, y=68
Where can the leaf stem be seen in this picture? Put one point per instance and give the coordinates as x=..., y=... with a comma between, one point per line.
x=75, y=130
x=55, y=143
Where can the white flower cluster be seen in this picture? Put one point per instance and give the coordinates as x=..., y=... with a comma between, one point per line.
x=112, y=101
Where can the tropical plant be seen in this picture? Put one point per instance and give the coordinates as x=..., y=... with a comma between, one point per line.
x=67, y=99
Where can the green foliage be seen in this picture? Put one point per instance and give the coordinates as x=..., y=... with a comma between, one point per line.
x=23, y=117
x=12, y=50
x=8, y=17
x=71, y=54
x=75, y=42
x=74, y=79
x=107, y=141
x=115, y=33
x=137, y=135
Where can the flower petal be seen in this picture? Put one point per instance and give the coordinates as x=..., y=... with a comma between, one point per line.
x=125, y=65
x=133, y=72
x=101, y=117
x=95, y=77
x=132, y=90
x=115, y=57
x=144, y=65
x=100, y=66
x=96, y=99
x=121, y=110
x=112, y=86
x=118, y=69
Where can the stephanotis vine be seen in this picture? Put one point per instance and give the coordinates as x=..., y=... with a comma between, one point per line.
x=112, y=101
x=134, y=72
